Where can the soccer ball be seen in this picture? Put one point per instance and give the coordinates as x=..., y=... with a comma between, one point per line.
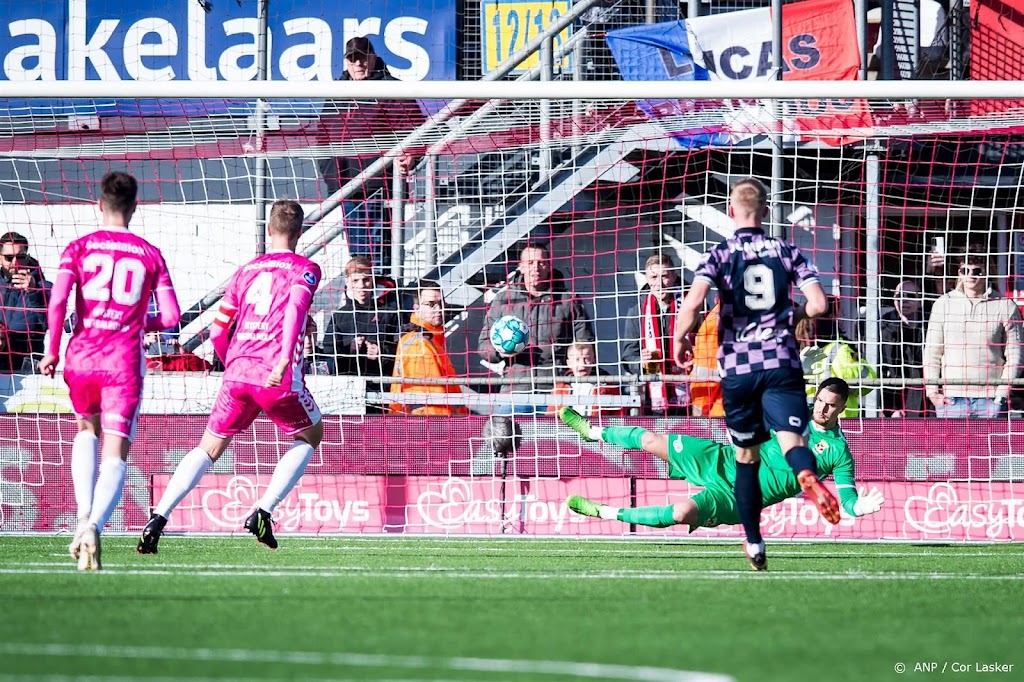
x=509, y=335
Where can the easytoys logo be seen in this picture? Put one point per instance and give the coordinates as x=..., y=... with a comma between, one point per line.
x=228, y=507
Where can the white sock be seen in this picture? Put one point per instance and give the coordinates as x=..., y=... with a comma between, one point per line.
x=186, y=477
x=753, y=550
x=608, y=513
x=109, y=487
x=286, y=474
x=84, y=452
x=597, y=433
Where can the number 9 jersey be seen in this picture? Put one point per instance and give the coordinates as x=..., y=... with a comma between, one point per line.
x=116, y=273
x=754, y=274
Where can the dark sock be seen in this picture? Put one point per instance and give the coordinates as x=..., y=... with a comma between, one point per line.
x=629, y=437
x=801, y=459
x=656, y=517
x=748, y=499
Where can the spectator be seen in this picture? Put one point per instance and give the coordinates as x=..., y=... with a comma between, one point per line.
x=555, y=318
x=826, y=353
x=313, y=359
x=362, y=334
x=24, y=294
x=647, y=345
x=902, y=338
x=972, y=349
x=164, y=353
x=705, y=379
x=582, y=361
x=367, y=215
x=422, y=354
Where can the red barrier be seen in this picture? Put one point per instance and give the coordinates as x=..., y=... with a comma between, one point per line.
x=943, y=480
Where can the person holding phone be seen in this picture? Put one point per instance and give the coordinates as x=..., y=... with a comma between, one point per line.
x=938, y=279
x=23, y=299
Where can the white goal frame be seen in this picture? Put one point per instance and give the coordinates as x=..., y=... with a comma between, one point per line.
x=515, y=90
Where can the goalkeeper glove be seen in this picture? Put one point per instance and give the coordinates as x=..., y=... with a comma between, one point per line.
x=868, y=503
x=809, y=357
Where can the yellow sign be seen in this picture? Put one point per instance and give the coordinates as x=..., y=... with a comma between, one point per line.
x=509, y=26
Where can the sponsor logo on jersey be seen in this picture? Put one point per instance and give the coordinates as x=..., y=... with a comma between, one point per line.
x=309, y=278
x=820, y=447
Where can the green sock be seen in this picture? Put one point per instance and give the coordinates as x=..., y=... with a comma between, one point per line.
x=628, y=437
x=657, y=517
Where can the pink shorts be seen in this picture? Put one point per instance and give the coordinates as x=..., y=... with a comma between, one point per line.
x=115, y=396
x=238, y=404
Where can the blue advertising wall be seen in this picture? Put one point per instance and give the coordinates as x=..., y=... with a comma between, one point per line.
x=153, y=40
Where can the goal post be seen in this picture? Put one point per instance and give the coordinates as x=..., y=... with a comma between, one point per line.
x=885, y=186
x=518, y=90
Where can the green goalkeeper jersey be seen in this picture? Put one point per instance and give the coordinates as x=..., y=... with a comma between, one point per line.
x=778, y=481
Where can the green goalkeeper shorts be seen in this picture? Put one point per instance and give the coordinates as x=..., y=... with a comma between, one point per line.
x=712, y=466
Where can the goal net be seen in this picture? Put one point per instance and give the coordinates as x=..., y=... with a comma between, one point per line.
x=904, y=201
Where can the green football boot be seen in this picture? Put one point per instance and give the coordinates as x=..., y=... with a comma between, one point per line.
x=578, y=423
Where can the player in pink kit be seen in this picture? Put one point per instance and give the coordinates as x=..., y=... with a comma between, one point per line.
x=115, y=273
x=268, y=300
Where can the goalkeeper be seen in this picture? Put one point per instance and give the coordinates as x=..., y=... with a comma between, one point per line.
x=710, y=464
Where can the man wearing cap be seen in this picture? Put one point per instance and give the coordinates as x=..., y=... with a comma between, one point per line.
x=356, y=122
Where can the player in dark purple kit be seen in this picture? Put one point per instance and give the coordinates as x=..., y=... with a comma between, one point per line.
x=758, y=358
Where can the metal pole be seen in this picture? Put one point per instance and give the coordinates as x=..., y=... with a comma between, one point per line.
x=649, y=14
x=915, y=39
x=1002, y=253
x=430, y=212
x=860, y=11
x=692, y=9
x=777, y=229
x=260, y=123
x=577, y=104
x=888, y=42
x=397, y=238
x=872, y=177
x=546, y=74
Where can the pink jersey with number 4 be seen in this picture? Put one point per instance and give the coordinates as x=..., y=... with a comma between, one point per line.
x=269, y=300
x=116, y=273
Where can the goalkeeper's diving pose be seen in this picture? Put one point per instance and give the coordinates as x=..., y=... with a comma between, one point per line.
x=712, y=465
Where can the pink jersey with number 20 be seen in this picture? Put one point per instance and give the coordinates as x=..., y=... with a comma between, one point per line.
x=116, y=273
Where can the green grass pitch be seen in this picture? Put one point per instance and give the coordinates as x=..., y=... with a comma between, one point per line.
x=348, y=608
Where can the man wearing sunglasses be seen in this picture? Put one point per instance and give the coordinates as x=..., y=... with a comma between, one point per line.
x=972, y=347
x=23, y=297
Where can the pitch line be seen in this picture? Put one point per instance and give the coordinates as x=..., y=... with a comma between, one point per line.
x=502, y=574
x=599, y=671
x=640, y=551
x=193, y=678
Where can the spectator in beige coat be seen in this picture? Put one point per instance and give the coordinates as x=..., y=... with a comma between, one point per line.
x=972, y=347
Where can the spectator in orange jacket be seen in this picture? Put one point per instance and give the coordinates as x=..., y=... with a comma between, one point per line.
x=705, y=381
x=581, y=357
x=421, y=354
